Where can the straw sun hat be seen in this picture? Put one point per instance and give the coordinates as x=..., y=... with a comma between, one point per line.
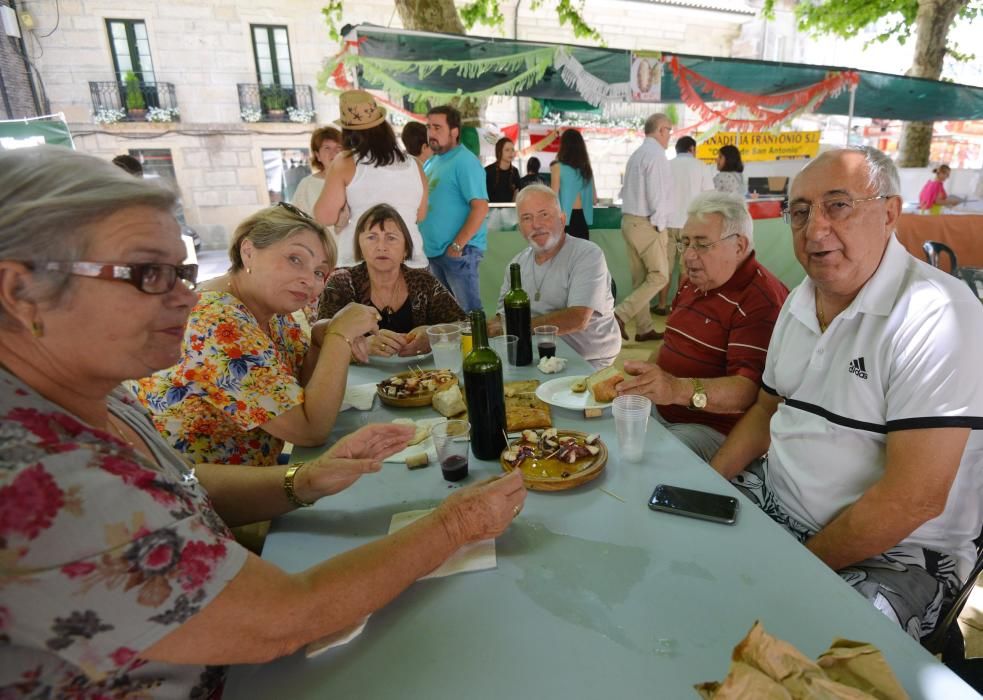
x=359, y=111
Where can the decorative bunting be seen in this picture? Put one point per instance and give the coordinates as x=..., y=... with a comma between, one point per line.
x=788, y=104
x=591, y=88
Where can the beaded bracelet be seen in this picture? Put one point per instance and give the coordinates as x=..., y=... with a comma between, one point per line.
x=288, y=486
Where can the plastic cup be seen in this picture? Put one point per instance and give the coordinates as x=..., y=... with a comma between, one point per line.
x=467, y=342
x=504, y=346
x=445, y=342
x=452, y=443
x=545, y=340
x=631, y=421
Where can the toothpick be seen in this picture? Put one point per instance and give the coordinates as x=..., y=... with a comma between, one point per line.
x=613, y=495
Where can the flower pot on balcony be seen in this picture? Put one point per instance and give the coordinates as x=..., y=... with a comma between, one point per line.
x=276, y=115
x=136, y=114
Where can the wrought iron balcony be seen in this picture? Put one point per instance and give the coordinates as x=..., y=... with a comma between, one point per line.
x=275, y=103
x=116, y=101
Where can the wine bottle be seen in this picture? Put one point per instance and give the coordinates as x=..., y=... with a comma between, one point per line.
x=484, y=393
x=518, y=317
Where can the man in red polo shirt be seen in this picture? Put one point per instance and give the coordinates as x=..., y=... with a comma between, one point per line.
x=708, y=371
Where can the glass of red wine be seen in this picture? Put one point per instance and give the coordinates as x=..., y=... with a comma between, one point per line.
x=452, y=441
x=545, y=340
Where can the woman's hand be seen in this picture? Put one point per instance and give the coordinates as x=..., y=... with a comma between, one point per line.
x=484, y=510
x=386, y=343
x=356, y=454
x=417, y=342
x=375, y=441
x=354, y=321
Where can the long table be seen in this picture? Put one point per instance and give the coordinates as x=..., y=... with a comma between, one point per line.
x=594, y=595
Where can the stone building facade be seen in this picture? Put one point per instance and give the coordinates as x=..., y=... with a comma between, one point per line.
x=197, y=56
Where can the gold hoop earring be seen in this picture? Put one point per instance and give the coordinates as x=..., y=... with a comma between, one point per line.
x=249, y=270
x=37, y=329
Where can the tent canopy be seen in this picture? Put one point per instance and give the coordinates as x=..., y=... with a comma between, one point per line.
x=878, y=95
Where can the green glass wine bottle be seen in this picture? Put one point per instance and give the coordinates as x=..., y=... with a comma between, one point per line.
x=484, y=393
x=518, y=317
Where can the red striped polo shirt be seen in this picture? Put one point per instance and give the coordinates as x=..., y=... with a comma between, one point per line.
x=721, y=333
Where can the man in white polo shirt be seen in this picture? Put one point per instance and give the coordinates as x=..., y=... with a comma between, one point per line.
x=871, y=410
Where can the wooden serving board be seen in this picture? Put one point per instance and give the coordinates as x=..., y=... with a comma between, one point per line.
x=536, y=480
x=417, y=401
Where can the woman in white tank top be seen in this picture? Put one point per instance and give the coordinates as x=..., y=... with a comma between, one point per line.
x=372, y=170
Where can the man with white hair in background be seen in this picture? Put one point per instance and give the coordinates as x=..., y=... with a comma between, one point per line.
x=871, y=408
x=645, y=211
x=708, y=370
x=567, y=280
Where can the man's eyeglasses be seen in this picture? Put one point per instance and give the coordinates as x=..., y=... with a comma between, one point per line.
x=839, y=209
x=700, y=248
x=149, y=278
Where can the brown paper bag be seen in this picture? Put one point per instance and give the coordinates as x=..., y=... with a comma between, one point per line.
x=766, y=667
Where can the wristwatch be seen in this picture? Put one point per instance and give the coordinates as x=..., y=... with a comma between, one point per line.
x=456, y=247
x=698, y=401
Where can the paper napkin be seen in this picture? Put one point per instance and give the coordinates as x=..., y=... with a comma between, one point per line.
x=360, y=396
x=476, y=556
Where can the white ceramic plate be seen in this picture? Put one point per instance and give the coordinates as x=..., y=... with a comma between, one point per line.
x=398, y=360
x=556, y=392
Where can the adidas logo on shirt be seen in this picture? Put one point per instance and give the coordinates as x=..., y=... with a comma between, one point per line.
x=858, y=368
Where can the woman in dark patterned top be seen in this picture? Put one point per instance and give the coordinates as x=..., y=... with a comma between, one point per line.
x=408, y=299
x=501, y=177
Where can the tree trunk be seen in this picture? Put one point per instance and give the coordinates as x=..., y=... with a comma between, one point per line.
x=430, y=16
x=438, y=16
x=932, y=28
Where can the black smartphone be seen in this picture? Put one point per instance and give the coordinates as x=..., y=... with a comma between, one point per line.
x=695, y=504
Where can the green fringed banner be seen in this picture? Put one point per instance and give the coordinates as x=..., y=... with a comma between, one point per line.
x=380, y=71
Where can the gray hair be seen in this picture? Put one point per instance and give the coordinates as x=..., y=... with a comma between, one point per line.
x=731, y=208
x=652, y=123
x=536, y=188
x=882, y=173
x=49, y=198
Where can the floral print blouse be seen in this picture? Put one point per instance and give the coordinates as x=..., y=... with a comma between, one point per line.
x=232, y=378
x=102, y=553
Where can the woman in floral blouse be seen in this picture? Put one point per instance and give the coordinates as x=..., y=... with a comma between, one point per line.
x=407, y=299
x=118, y=575
x=248, y=378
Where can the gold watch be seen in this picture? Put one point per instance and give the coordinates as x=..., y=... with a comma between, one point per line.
x=698, y=401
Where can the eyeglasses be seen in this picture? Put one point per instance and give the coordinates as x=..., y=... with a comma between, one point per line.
x=700, y=248
x=296, y=211
x=149, y=278
x=839, y=209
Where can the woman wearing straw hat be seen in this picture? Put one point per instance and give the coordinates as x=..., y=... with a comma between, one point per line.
x=372, y=170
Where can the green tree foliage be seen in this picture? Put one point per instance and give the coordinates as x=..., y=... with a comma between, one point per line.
x=569, y=12
x=928, y=20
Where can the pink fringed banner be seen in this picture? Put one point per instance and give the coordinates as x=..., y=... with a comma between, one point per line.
x=786, y=104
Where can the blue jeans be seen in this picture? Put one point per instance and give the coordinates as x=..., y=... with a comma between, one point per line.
x=460, y=276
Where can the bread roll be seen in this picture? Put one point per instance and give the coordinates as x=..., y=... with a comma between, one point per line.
x=603, y=384
x=450, y=401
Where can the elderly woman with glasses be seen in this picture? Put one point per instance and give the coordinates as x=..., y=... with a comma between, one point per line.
x=119, y=574
x=248, y=378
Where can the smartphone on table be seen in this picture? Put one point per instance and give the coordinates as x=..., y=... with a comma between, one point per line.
x=695, y=504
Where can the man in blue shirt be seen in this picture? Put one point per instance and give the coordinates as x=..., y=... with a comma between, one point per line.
x=454, y=232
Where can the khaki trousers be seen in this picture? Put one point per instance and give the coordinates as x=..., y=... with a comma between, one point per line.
x=649, y=270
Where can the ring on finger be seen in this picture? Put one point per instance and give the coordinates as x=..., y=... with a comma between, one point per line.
x=515, y=511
